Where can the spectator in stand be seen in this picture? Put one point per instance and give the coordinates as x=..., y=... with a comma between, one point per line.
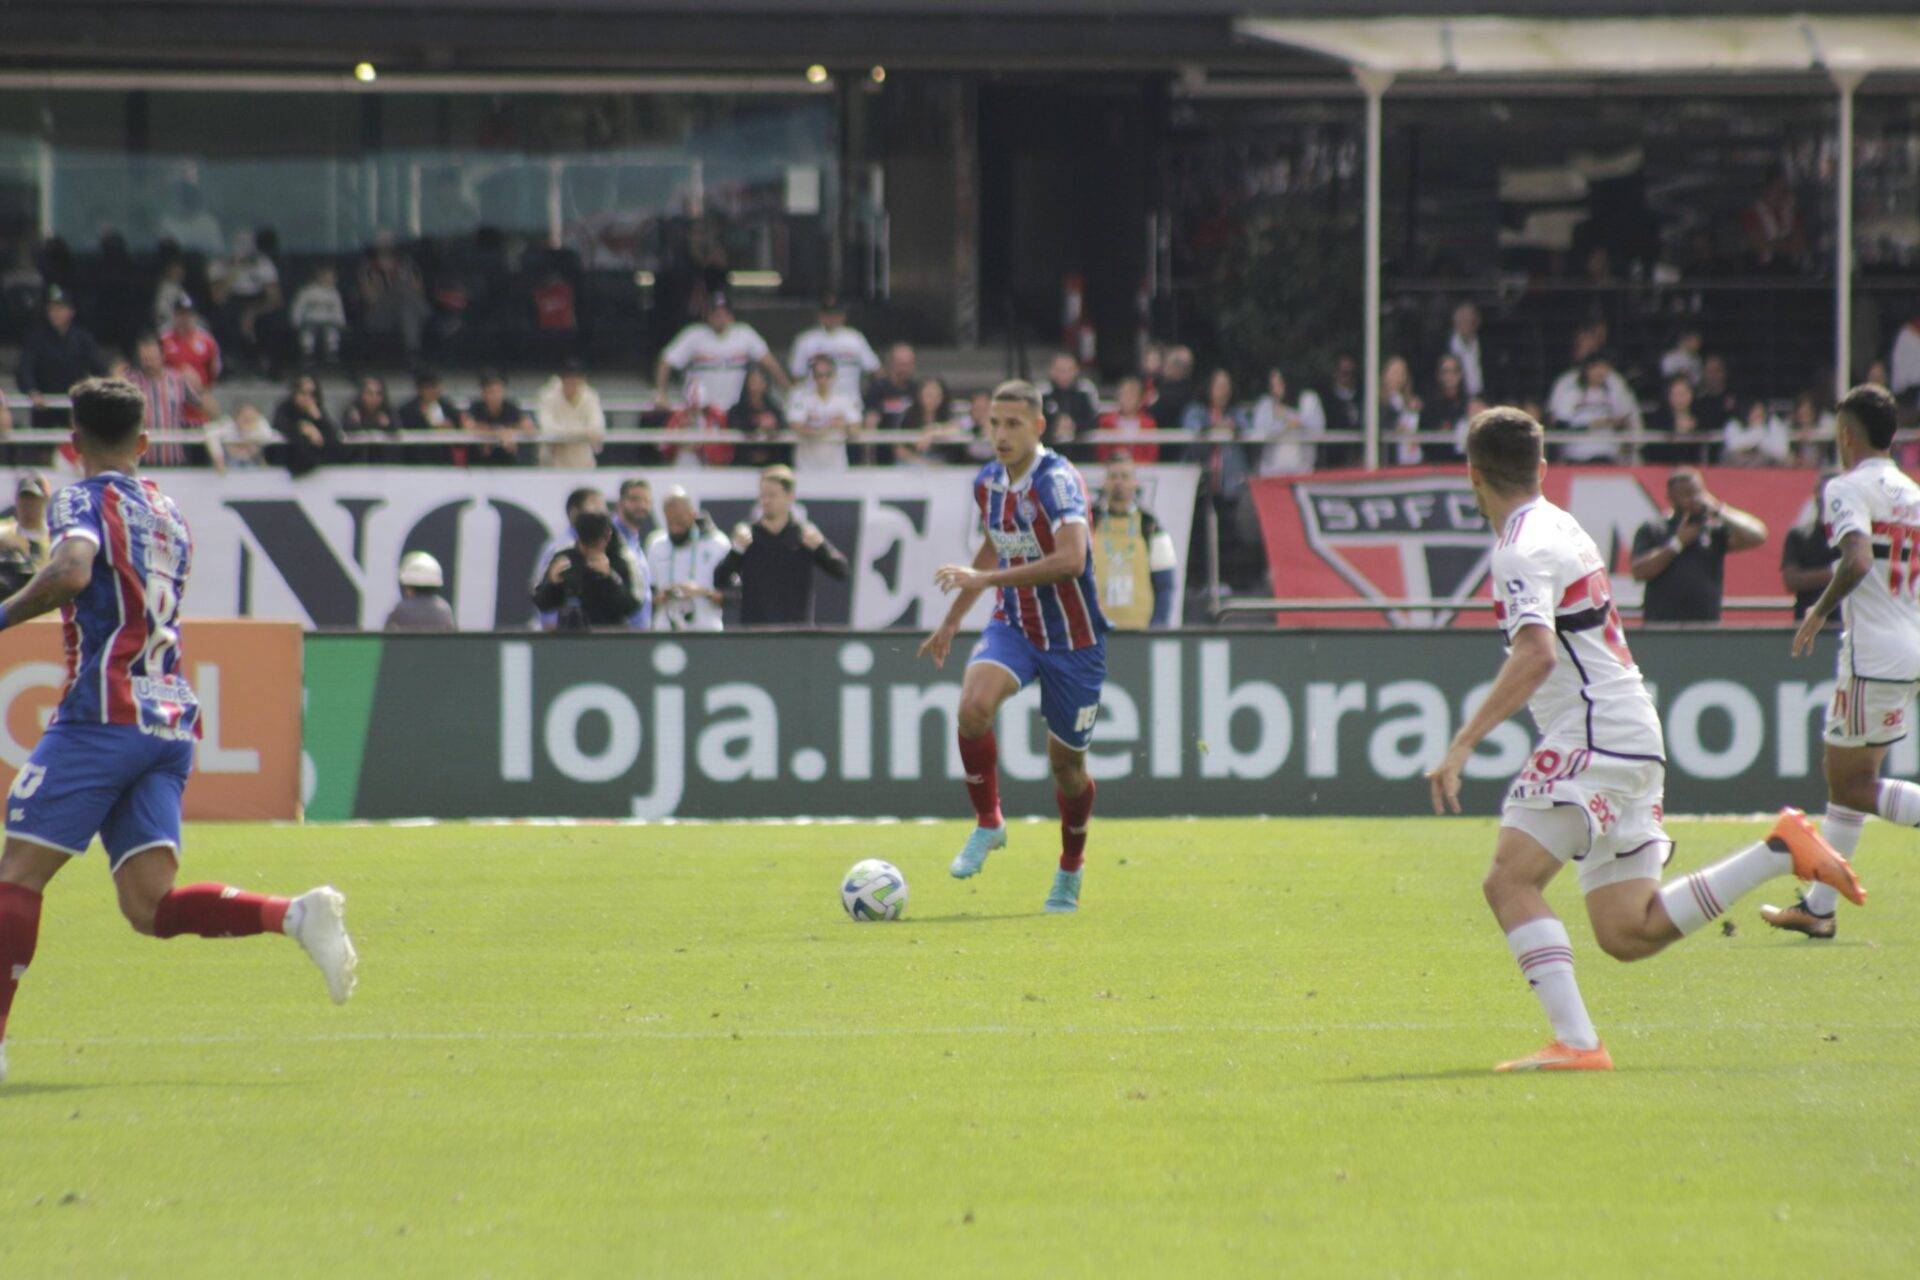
x=311, y=438
x=774, y=560
x=186, y=345
x=393, y=301
x=979, y=446
x=320, y=316
x=942, y=438
x=421, y=606
x=249, y=285
x=190, y=224
x=1682, y=557
x=890, y=398
x=1463, y=344
x=1342, y=408
x=56, y=355
x=1282, y=429
x=573, y=424
x=1174, y=390
x=1133, y=557
x=683, y=561
x=369, y=422
x=847, y=347
x=1400, y=412
x=1776, y=237
x=589, y=584
x=25, y=540
x=1806, y=557
x=713, y=356
x=1129, y=417
x=1220, y=426
x=239, y=443
x=171, y=288
x=1812, y=429
x=823, y=417
x=169, y=393
x=1682, y=360
x=1599, y=404
x=500, y=419
x=1446, y=413
x=1153, y=364
x=633, y=519
x=759, y=415
x=1711, y=399
x=1758, y=440
x=1903, y=370
x=1685, y=439
x=1069, y=402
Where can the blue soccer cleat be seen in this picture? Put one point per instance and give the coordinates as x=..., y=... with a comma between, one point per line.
x=973, y=854
x=1066, y=893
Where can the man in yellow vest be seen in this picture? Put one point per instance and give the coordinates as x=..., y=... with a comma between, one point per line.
x=1133, y=556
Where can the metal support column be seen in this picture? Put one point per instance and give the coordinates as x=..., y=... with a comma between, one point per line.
x=1846, y=82
x=1374, y=84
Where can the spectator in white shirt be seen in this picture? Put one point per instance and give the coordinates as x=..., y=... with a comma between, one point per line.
x=713, y=357
x=1288, y=447
x=682, y=560
x=320, y=316
x=852, y=355
x=1682, y=360
x=1904, y=372
x=823, y=416
x=1759, y=441
x=1464, y=345
x=240, y=442
x=1599, y=402
x=571, y=419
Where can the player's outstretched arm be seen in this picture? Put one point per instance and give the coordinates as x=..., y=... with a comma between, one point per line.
x=65, y=576
x=1528, y=664
x=1849, y=571
x=936, y=645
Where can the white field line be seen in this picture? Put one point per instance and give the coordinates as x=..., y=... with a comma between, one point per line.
x=802, y=821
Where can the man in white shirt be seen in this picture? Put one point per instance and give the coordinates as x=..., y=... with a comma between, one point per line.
x=713, y=357
x=823, y=416
x=1464, y=344
x=571, y=419
x=681, y=562
x=1904, y=370
x=1595, y=399
x=852, y=355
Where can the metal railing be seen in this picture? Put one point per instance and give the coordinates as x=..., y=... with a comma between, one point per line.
x=1237, y=605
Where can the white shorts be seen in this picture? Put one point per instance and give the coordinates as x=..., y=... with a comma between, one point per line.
x=1602, y=813
x=1866, y=713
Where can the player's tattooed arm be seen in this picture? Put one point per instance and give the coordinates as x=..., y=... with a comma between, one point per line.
x=1528, y=664
x=65, y=576
x=1854, y=564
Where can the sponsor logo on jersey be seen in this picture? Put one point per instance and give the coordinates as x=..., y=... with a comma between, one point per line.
x=1412, y=538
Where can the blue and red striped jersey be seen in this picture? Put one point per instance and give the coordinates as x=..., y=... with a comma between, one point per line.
x=123, y=631
x=1022, y=519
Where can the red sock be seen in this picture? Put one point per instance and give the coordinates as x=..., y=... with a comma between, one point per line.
x=19, y=931
x=980, y=759
x=217, y=911
x=1074, y=813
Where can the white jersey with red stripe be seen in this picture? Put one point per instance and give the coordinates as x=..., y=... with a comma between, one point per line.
x=1547, y=572
x=1882, y=614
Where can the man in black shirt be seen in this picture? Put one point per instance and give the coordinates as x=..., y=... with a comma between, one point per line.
x=1682, y=558
x=500, y=418
x=1068, y=402
x=774, y=561
x=585, y=586
x=890, y=398
x=55, y=356
x=1345, y=407
x=431, y=409
x=1806, y=561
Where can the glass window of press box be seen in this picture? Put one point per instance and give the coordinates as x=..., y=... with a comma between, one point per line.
x=636, y=185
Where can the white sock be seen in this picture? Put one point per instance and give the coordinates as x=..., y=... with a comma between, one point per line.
x=1545, y=956
x=1693, y=900
x=1899, y=802
x=1841, y=826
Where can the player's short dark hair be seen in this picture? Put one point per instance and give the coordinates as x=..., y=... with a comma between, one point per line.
x=1504, y=445
x=1872, y=407
x=578, y=499
x=592, y=527
x=631, y=483
x=109, y=411
x=1019, y=391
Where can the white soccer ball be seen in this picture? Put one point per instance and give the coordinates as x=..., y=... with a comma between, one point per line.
x=874, y=890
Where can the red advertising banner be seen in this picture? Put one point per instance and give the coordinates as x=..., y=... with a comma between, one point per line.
x=1417, y=534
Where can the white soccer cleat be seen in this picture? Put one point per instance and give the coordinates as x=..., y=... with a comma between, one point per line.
x=320, y=926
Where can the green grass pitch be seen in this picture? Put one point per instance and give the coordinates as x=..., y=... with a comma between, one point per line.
x=1261, y=1048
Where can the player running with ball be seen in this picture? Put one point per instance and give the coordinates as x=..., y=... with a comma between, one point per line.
x=1592, y=792
x=115, y=760
x=1047, y=626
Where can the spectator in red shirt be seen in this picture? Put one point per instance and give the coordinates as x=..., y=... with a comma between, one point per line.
x=188, y=347
x=1130, y=416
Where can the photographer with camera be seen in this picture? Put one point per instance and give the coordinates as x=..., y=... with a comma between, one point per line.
x=24, y=539
x=586, y=586
x=1682, y=558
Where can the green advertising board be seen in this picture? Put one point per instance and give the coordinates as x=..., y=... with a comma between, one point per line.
x=850, y=724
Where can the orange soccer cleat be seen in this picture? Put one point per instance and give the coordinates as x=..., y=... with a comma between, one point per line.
x=1562, y=1057
x=1813, y=857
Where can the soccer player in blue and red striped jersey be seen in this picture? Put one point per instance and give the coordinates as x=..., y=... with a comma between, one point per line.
x=115, y=759
x=1047, y=627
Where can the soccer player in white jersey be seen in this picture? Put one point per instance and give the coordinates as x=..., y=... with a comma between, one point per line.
x=1872, y=513
x=1591, y=793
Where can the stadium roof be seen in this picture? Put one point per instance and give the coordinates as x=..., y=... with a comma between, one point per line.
x=1518, y=46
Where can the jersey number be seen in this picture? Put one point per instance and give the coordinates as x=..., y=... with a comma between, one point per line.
x=1905, y=539
x=28, y=781
x=163, y=603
